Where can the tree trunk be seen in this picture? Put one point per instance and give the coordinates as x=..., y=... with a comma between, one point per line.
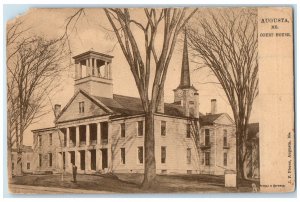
x=18, y=167
x=149, y=145
x=240, y=154
x=9, y=163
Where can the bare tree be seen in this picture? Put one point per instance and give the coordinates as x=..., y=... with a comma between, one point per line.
x=226, y=42
x=33, y=70
x=140, y=57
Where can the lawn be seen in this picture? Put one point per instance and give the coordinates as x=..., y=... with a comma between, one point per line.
x=130, y=183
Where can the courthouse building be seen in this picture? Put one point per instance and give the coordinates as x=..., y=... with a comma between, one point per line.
x=104, y=132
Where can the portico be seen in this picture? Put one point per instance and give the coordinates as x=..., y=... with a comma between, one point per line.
x=85, y=143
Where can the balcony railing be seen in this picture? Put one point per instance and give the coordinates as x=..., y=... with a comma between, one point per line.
x=82, y=143
x=205, y=146
x=226, y=146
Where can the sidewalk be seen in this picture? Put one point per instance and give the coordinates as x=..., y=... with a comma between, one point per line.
x=25, y=189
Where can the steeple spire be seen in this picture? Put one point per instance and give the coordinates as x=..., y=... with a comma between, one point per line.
x=185, y=69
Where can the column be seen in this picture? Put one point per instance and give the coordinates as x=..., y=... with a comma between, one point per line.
x=87, y=64
x=77, y=159
x=59, y=160
x=90, y=66
x=68, y=161
x=98, y=159
x=109, y=160
x=76, y=71
x=94, y=66
x=98, y=133
x=87, y=135
x=77, y=136
x=110, y=71
x=106, y=70
x=68, y=137
x=87, y=160
x=80, y=71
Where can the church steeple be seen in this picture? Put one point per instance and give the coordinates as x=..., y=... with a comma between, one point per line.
x=186, y=94
x=185, y=68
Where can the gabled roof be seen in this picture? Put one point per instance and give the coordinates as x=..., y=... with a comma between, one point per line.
x=127, y=105
x=209, y=119
x=92, y=98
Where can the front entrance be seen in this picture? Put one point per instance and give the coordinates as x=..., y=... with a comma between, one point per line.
x=82, y=160
x=104, y=158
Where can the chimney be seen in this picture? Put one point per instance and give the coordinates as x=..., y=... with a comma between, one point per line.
x=213, y=106
x=161, y=104
x=57, y=109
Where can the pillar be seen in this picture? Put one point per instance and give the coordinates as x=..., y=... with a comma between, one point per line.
x=78, y=70
x=77, y=159
x=87, y=64
x=98, y=133
x=94, y=67
x=106, y=70
x=59, y=160
x=77, y=136
x=68, y=161
x=68, y=137
x=87, y=160
x=87, y=135
x=110, y=71
x=109, y=160
x=98, y=159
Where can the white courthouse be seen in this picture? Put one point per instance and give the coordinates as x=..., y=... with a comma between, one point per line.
x=103, y=132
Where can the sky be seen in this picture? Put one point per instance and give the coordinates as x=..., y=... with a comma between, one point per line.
x=92, y=32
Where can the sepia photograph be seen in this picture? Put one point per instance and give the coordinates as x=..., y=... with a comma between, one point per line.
x=174, y=100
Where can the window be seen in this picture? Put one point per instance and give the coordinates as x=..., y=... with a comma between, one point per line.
x=122, y=129
x=40, y=140
x=163, y=128
x=225, y=138
x=140, y=128
x=28, y=166
x=50, y=159
x=123, y=156
x=81, y=107
x=50, y=139
x=163, y=154
x=225, y=159
x=188, y=130
x=40, y=160
x=140, y=155
x=65, y=139
x=207, y=155
x=12, y=166
x=207, y=140
x=188, y=155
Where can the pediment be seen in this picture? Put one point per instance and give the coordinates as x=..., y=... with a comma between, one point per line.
x=92, y=108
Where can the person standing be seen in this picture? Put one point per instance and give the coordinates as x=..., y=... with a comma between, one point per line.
x=74, y=171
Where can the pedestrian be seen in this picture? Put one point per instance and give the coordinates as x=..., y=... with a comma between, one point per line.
x=74, y=171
